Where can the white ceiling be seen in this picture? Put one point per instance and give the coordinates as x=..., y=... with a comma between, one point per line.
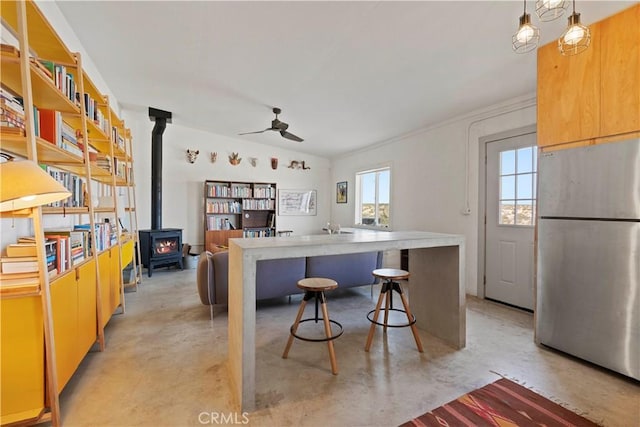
x=346, y=74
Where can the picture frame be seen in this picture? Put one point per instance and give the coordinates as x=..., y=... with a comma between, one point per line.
x=297, y=202
x=341, y=192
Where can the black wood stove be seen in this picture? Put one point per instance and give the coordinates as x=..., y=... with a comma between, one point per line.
x=159, y=246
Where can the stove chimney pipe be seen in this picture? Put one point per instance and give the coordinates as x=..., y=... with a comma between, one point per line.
x=161, y=118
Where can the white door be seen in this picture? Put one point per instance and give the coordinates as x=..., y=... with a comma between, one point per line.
x=511, y=169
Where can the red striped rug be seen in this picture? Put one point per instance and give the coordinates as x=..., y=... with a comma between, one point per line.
x=502, y=403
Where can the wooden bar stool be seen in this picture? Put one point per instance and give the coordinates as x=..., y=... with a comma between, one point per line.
x=386, y=294
x=314, y=287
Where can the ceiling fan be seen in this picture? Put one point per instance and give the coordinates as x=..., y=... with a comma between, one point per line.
x=278, y=126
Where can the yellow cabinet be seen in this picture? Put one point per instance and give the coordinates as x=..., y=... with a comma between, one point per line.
x=116, y=277
x=21, y=359
x=87, y=306
x=73, y=308
x=104, y=272
x=64, y=311
x=594, y=94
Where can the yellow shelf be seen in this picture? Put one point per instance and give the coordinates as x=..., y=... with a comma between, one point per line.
x=45, y=93
x=65, y=211
x=43, y=39
x=47, y=152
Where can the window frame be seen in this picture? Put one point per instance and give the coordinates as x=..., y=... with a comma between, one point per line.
x=359, y=192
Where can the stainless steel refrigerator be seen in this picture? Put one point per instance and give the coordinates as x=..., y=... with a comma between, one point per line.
x=588, y=283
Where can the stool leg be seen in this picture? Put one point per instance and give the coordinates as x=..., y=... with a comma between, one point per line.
x=414, y=330
x=327, y=331
x=387, y=306
x=375, y=319
x=294, y=328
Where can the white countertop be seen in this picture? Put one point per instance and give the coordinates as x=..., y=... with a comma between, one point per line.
x=354, y=240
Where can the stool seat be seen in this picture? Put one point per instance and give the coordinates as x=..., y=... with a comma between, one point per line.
x=314, y=288
x=316, y=284
x=386, y=295
x=390, y=273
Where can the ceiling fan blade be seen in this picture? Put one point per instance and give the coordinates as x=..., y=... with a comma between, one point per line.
x=291, y=136
x=258, y=131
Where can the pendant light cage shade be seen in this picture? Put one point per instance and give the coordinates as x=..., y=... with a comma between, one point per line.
x=527, y=37
x=549, y=10
x=23, y=184
x=576, y=38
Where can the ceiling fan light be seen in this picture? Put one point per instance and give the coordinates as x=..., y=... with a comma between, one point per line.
x=527, y=36
x=548, y=10
x=576, y=38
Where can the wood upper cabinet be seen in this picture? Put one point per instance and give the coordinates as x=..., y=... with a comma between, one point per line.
x=620, y=73
x=596, y=93
x=568, y=93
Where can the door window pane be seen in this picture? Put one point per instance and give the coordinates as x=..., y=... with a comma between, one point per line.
x=524, y=212
x=525, y=160
x=507, y=162
x=518, y=171
x=525, y=186
x=508, y=187
x=507, y=212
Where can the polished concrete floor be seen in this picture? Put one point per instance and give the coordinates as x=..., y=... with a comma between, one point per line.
x=165, y=365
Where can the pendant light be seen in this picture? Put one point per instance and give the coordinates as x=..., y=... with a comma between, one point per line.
x=576, y=38
x=527, y=36
x=548, y=10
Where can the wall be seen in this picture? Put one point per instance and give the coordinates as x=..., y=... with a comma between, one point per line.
x=434, y=176
x=183, y=183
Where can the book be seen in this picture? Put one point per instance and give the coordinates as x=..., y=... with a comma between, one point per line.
x=19, y=285
x=49, y=126
x=19, y=265
x=10, y=276
x=22, y=250
x=63, y=251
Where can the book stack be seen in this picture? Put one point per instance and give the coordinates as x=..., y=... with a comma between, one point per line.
x=104, y=162
x=117, y=138
x=120, y=168
x=74, y=245
x=64, y=81
x=73, y=183
x=105, y=235
x=11, y=113
x=52, y=128
x=19, y=269
x=62, y=245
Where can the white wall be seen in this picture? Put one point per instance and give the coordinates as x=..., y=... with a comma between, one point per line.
x=183, y=182
x=429, y=175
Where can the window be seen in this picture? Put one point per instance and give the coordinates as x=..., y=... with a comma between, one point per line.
x=518, y=170
x=373, y=188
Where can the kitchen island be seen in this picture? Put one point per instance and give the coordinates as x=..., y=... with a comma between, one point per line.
x=436, y=263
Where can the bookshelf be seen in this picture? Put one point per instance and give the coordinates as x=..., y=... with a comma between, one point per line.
x=70, y=128
x=238, y=209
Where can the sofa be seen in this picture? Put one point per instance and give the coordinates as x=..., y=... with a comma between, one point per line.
x=279, y=277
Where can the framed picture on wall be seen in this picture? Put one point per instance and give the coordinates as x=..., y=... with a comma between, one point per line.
x=297, y=202
x=341, y=192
